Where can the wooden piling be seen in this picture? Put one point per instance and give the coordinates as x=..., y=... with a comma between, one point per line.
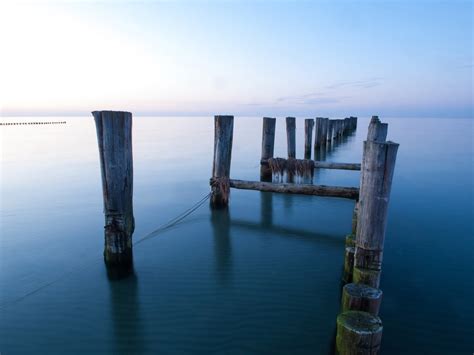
x=355, y=213
x=308, y=137
x=324, y=165
x=223, y=135
x=268, y=144
x=318, y=133
x=376, y=180
x=291, y=136
x=325, y=131
x=304, y=189
x=330, y=131
x=114, y=137
x=377, y=130
x=348, y=264
x=358, y=333
x=360, y=297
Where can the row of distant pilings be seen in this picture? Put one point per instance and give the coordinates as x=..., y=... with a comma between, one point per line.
x=31, y=123
x=359, y=329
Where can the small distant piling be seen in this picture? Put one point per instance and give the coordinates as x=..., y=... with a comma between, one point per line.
x=223, y=136
x=114, y=137
x=268, y=147
x=291, y=136
x=318, y=136
x=330, y=131
x=308, y=137
x=377, y=130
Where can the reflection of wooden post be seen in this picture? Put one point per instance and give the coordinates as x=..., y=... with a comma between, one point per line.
x=308, y=137
x=223, y=134
x=291, y=136
x=268, y=144
x=220, y=220
x=114, y=136
x=376, y=181
x=266, y=208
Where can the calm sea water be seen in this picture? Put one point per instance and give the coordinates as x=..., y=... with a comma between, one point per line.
x=262, y=278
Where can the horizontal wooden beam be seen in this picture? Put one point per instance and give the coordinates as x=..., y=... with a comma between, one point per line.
x=304, y=189
x=326, y=165
x=341, y=166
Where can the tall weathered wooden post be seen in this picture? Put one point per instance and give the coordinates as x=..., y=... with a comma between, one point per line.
x=359, y=330
x=268, y=145
x=377, y=169
x=291, y=136
x=308, y=137
x=114, y=136
x=223, y=135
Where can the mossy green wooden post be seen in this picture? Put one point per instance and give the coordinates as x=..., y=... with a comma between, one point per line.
x=358, y=333
x=114, y=137
x=377, y=169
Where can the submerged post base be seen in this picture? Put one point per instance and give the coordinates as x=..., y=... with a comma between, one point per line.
x=119, y=271
x=118, y=252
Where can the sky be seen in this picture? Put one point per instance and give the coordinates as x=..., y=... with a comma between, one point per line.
x=404, y=58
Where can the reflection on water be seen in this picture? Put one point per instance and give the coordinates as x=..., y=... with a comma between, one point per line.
x=220, y=220
x=266, y=208
x=128, y=329
x=261, y=277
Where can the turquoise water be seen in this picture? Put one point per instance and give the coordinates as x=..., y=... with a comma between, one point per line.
x=263, y=277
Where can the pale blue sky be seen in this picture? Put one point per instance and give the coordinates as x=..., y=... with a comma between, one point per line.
x=319, y=58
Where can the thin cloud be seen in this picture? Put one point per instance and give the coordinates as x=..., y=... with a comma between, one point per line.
x=365, y=84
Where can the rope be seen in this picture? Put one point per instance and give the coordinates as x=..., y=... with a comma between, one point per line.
x=174, y=221
x=162, y=228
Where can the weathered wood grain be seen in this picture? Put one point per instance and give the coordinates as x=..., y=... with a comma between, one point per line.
x=291, y=136
x=305, y=189
x=376, y=181
x=318, y=136
x=377, y=131
x=348, y=264
x=268, y=146
x=360, y=297
x=223, y=136
x=308, y=137
x=358, y=333
x=114, y=137
x=326, y=165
